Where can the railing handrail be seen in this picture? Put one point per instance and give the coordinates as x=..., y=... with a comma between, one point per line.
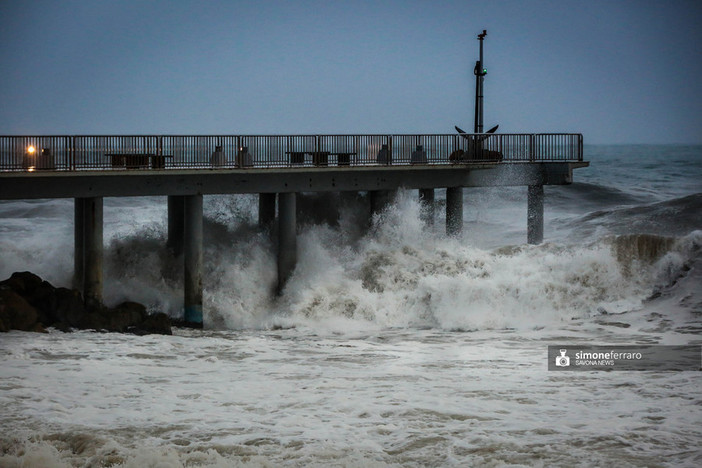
x=166, y=151
x=215, y=135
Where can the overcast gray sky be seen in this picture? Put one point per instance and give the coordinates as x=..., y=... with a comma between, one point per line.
x=617, y=71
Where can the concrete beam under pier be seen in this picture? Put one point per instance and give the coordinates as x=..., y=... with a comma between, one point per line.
x=192, y=287
x=287, y=237
x=60, y=184
x=535, y=214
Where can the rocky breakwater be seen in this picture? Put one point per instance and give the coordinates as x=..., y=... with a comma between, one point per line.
x=31, y=304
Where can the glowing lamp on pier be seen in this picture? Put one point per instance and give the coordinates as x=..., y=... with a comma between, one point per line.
x=29, y=159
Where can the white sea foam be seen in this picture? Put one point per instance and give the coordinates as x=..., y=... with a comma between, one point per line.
x=384, y=398
x=365, y=360
x=397, y=273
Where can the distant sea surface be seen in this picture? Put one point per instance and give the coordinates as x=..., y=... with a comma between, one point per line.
x=392, y=345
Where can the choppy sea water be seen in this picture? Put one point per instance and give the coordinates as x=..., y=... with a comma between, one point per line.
x=392, y=345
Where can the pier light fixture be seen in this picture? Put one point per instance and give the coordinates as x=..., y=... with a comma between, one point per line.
x=29, y=160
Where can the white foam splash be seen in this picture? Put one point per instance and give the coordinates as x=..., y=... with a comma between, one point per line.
x=398, y=273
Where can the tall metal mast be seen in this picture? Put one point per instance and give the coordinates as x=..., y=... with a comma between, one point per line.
x=479, y=73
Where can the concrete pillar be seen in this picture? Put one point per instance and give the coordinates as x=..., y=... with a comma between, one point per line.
x=535, y=214
x=176, y=224
x=380, y=199
x=266, y=210
x=78, y=242
x=192, y=288
x=92, y=251
x=426, y=198
x=454, y=211
x=287, y=237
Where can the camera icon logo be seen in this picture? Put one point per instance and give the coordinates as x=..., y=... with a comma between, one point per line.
x=562, y=360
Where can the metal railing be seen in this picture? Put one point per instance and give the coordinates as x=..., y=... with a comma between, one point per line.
x=163, y=152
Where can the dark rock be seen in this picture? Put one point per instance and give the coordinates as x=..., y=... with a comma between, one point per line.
x=23, y=283
x=119, y=320
x=62, y=326
x=95, y=319
x=137, y=312
x=138, y=331
x=158, y=323
x=29, y=303
x=43, y=298
x=17, y=313
x=69, y=307
x=125, y=316
x=180, y=323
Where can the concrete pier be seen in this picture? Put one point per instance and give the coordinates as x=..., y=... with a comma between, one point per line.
x=266, y=210
x=426, y=198
x=535, y=214
x=78, y=242
x=92, y=250
x=176, y=224
x=192, y=287
x=454, y=211
x=375, y=164
x=287, y=237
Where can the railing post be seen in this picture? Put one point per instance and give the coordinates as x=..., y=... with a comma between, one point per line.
x=73, y=153
x=532, y=150
x=390, y=146
x=353, y=159
x=238, y=148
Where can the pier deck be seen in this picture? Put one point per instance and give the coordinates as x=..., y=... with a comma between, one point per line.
x=184, y=168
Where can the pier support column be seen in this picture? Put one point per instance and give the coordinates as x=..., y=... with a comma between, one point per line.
x=535, y=214
x=78, y=242
x=192, y=289
x=92, y=251
x=266, y=210
x=176, y=224
x=426, y=198
x=287, y=237
x=380, y=199
x=454, y=211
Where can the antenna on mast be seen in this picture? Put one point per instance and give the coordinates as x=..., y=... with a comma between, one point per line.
x=479, y=71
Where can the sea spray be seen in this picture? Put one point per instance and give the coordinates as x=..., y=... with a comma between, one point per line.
x=392, y=272
x=402, y=275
